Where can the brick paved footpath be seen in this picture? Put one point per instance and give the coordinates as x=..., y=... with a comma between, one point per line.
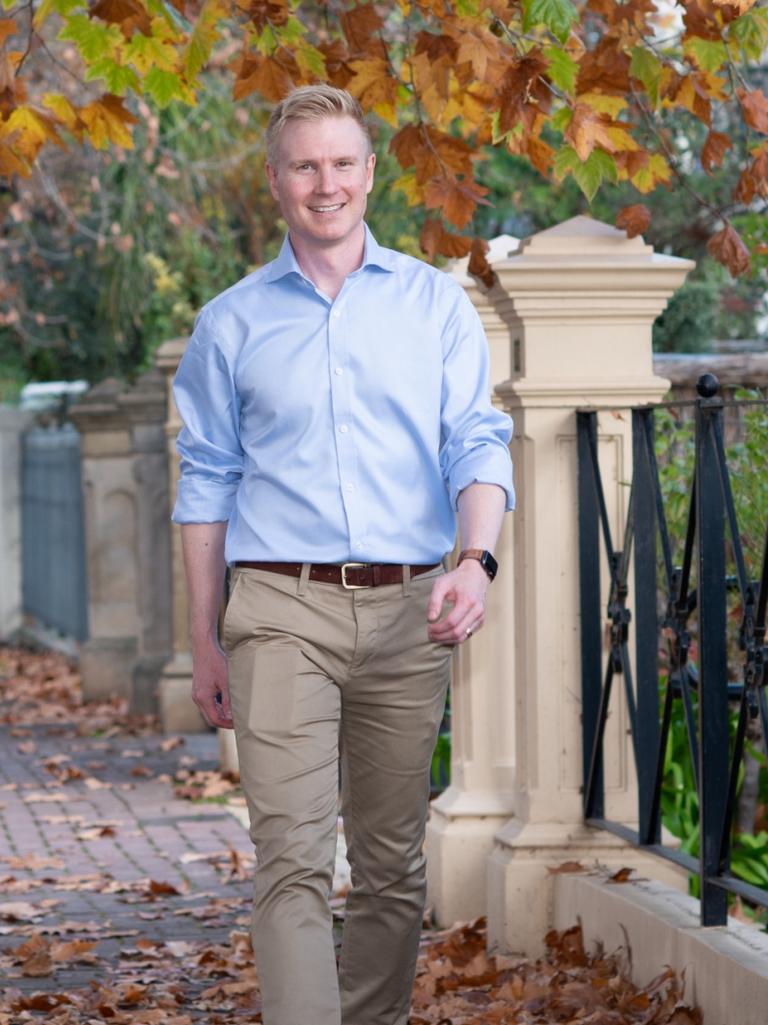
x=156, y=837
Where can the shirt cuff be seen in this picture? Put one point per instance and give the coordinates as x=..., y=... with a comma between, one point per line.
x=203, y=501
x=479, y=469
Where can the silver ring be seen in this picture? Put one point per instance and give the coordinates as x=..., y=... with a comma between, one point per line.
x=469, y=631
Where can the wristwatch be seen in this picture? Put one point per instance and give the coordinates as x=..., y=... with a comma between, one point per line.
x=484, y=557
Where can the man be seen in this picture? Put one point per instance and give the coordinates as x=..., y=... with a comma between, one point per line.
x=336, y=417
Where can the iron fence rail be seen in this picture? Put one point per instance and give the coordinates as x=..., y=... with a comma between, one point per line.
x=702, y=687
x=52, y=535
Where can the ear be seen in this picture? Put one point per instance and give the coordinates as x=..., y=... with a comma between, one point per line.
x=369, y=166
x=272, y=179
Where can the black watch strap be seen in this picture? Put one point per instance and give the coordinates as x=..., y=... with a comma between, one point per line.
x=484, y=557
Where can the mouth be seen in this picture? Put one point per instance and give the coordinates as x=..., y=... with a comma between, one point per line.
x=330, y=209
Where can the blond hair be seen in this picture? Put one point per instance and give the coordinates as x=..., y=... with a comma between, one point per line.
x=313, y=103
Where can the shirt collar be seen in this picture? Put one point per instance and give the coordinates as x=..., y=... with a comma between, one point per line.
x=374, y=255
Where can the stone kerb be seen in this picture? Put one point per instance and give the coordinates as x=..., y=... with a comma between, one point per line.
x=579, y=301
x=125, y=489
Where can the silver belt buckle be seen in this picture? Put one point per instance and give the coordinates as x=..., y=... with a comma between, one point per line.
x=352, y=565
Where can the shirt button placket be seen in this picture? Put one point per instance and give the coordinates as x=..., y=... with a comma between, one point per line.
x=345, y=447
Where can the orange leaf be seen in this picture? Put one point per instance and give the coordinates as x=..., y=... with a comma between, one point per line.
x=633, y=219
x=587, y=130
x=359, y=24
x=434, y=240
x=727, y=247
x=714, y=149
x=754, y=106
x=372, y=82
x=622, y=876
x=7, y=28
x=478, y=265
x=125, y=13
x=541, y=154
x=264, y=75
x=457, y=201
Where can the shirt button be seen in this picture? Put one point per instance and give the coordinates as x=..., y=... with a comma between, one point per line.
x=358, y=545
x=338, y=371
x=337, y=313
x=343, y=429
x=349, y=487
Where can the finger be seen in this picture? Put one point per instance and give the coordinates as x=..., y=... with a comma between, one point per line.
x=436, y=599
x=464, y=612
x=458, y=632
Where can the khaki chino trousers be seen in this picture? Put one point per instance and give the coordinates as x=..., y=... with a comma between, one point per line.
x=318, y=672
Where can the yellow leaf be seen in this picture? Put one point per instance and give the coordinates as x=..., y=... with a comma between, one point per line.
x=106, y=120
x=373, y=83
x=27, y=130
x=408, y=185
x=611, y=105
x=620, y=139
x=655, y=171
x=62, y=109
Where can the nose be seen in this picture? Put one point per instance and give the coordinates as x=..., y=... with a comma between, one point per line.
x=326, y=180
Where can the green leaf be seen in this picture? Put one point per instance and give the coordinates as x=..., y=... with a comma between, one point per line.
x=560, y=121
x=165, y=86
x=291, y=32
x=707, y=54
x=557, y=15
x=646, y=68
x=310, y=60
x=751, y=32
x=93, y=39
x=147, y=52
x=562, y=69
x=118, y=78
x=589, y=175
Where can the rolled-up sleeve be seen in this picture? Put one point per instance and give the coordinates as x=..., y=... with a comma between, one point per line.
x=209, y=442
x=475, y=436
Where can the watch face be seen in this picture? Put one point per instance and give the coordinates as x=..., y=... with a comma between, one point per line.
x=489, y=564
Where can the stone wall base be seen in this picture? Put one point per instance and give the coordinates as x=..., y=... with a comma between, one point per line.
x=726, y=968
x=525, y=864
x=178, y=712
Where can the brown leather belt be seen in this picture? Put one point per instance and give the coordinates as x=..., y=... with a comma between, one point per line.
x=350, y=575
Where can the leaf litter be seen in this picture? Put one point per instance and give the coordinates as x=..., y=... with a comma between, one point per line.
x=150, y=979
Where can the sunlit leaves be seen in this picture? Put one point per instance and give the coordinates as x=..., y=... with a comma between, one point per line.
x=581, y=91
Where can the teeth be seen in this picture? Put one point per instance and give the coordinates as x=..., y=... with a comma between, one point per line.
x=326, y=209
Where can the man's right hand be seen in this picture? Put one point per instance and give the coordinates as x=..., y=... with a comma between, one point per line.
x=209, y=681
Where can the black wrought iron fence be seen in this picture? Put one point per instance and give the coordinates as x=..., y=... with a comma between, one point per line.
x=696, y=589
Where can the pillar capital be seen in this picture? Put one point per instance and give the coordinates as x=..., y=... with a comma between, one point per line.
x=579, y=300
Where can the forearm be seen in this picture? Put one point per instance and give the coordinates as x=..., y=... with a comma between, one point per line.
x=203, y=547
x=481, y=512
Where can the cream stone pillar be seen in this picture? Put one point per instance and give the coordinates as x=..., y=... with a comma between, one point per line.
x=464, y=819
x=178, y=713
x=579, y=301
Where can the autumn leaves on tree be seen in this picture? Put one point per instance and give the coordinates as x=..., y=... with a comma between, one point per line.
x=599, y=90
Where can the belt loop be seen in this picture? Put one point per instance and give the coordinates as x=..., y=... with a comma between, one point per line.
x=304, y=578
x=406, y=581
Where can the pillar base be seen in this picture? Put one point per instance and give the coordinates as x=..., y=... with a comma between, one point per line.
x=521, y=874
x=178, y=712
x=106, y=667
x=460, y=837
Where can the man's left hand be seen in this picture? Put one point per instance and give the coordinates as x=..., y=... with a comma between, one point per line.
x=464, y=588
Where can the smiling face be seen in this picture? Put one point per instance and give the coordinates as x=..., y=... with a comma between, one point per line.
x=321, y=178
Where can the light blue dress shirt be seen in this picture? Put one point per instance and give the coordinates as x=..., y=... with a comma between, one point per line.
x=338, y=430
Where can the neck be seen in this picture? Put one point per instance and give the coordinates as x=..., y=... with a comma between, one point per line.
x=328, y=268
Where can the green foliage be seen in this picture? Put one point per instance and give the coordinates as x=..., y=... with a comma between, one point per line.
x=688, y=322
